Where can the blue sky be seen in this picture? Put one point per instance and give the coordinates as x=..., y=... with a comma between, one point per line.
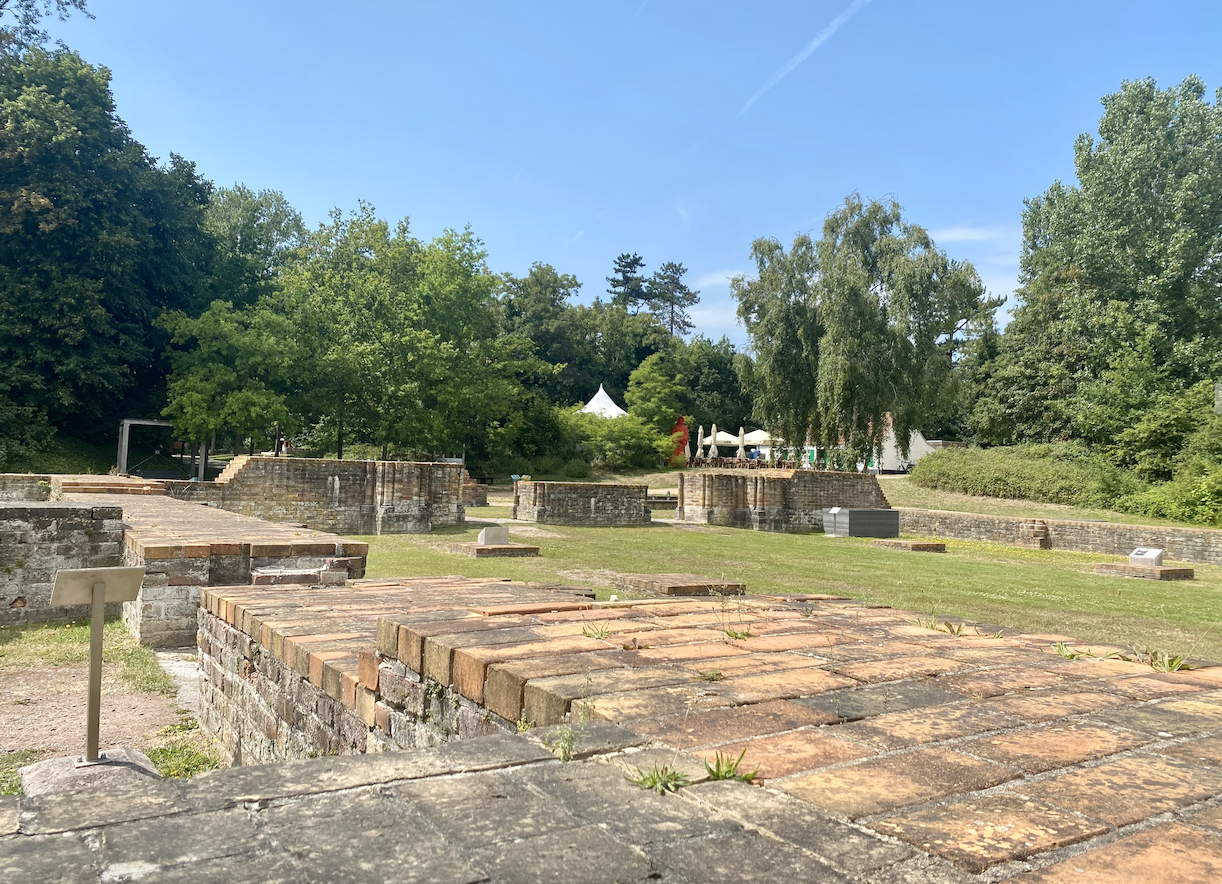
x=571, y=132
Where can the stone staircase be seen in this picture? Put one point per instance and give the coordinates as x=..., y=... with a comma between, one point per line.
x=235, y=467
x=85, y=484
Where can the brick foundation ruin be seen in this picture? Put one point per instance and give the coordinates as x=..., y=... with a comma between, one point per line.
x=24, y=486
x=342, y=496
x=786, y=501
x=39, y=538
x=580, y=503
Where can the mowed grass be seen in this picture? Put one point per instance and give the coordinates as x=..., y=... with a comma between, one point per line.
x=1037, y=591
x=25, y=647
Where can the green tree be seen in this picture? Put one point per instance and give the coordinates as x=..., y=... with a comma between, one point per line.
x=655, y=393
x=779, y=309
x=864, y=324
x=538, y=307
x=96, y=240
x=895, y=309
x=255, y=236
x=232, y=370
x=715, y=392
x=21, y=21
x=669, y=298
x=1122, y=275
x=627, y=286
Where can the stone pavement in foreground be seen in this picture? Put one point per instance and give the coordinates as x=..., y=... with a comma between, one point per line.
x=887, y=752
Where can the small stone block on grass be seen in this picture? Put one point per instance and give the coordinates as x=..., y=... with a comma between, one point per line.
x=493, y=534
x=681, y=584
x=1147, y=572
x=911, y=545
x=494, y=550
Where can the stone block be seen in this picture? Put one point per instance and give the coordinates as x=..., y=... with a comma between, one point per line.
x=500, y=534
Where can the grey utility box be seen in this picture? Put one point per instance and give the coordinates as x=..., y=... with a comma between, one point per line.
x=861, y=523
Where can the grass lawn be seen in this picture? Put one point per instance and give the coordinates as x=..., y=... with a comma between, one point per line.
x=1034, y=590
x=178, y=750
x=24, y=647
x=901, y=491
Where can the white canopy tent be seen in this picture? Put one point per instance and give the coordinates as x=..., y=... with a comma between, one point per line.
x=603, y=405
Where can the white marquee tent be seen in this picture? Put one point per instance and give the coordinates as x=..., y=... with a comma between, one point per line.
x=603, y=405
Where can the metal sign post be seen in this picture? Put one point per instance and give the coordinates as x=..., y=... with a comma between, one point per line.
x=95, y=587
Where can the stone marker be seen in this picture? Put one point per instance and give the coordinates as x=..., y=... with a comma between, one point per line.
x=493, y=534
x=1146, y=556
x=124, y=766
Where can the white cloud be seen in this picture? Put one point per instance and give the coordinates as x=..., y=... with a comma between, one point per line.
x=814, y=44
x=716, y=279
x=576, y=237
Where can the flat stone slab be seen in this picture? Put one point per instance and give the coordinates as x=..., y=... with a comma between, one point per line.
x=123, y=768
x=681, y=584
x=911, y=545
x=938, y=755
x=494, y=810
x=1146, y=572
x=478, y=550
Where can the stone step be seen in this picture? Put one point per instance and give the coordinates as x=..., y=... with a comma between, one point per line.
x=302, y=577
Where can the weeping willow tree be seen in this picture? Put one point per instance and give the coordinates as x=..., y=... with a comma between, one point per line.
x=856, y=329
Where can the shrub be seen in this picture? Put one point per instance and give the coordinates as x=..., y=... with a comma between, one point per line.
x=615, y=443
x=1065, y=473
x=548, y=465
x=576, y=469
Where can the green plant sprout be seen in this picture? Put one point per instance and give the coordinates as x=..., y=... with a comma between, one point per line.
x=726, y=768
x=660, y=779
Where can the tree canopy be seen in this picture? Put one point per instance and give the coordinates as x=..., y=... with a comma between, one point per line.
x=857, y=329
x=96, y=239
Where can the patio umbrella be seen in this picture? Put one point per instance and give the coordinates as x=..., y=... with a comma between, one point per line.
x=713, y=442
x=700, y=441
x=742, y=443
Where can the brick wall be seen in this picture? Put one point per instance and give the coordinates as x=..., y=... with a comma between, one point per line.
x=789, y=501
x=259, y=709
x=580, y=503
x=39, y=538
x=342, y=496
x=24, y=486
x=164, y=614
x=1200, y=545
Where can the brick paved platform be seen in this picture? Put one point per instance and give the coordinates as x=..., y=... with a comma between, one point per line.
x=681, y=584
x=911, y=545
x=1146, y=572
x=994, y=755
x=185, y=546
x=493, y=550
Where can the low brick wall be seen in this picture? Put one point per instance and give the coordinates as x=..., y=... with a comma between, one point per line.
x=164, y=615
x=788, y=501
x=580, y=503
x=39, y=538
x=1201, y=545
x=260, y=709
x=24, y=486
x=341, y=496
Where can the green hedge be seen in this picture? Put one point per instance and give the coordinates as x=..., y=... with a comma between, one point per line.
x=1064, y=473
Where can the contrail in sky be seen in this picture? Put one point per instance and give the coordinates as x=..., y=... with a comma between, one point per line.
x=802, y=56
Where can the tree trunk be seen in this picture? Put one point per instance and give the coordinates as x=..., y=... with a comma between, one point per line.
x=339, y=442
